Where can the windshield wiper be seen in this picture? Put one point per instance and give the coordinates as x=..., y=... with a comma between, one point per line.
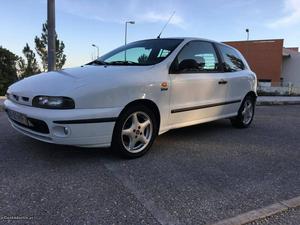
x=98, y=62
x=123, y=63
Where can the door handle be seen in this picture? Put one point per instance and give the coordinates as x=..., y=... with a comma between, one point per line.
x=222, y=81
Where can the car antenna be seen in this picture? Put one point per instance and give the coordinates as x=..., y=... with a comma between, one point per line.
x=166, y=25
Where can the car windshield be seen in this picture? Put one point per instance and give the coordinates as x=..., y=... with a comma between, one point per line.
x=147, y=52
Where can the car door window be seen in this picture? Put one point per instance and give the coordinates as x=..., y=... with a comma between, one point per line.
x=232, y=59
x=197, y=57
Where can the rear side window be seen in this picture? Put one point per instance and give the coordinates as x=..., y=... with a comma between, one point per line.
x=232, y=60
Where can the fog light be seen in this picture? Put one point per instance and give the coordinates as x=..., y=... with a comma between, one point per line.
x=66, y=131
x=61, y=131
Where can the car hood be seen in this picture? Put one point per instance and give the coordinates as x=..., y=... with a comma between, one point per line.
x=60, y=83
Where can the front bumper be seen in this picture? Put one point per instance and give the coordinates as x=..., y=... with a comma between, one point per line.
x=78, y=127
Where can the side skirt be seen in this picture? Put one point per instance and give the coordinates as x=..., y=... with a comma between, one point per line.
x=191, y=123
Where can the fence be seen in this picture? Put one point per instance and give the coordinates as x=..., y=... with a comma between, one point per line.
x=279, y=88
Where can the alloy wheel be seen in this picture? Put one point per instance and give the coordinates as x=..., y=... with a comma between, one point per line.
x=137, y=132
x=247, y=111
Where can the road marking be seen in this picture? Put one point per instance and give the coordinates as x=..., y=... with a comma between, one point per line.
x=160, y=214
x=268, y=211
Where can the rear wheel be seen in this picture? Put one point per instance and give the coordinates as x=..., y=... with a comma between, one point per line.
x=134, y=132
x=245, y=114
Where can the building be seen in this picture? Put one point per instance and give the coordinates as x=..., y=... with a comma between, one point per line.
x=272, y=63
x=291, y=65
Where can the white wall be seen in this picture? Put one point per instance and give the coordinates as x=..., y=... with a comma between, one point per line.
x=291, y=90
x=291, y=68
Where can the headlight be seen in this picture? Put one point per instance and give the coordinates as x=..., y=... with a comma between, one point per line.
x=51, y=102
x=8, y=96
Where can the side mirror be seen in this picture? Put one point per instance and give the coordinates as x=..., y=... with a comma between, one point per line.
x=188, y=64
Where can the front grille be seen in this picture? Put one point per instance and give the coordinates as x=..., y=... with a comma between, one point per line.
x=37, y=125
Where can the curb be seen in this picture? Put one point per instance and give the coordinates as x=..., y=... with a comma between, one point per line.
x=258, y=214
x=262, y=103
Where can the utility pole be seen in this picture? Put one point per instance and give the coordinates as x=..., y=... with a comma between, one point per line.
x=51, y=35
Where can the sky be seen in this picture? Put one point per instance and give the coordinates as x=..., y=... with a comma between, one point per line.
x=81, y=23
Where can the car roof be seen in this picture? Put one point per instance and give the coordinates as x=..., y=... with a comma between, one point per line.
x=184, y=38
x=187, y=39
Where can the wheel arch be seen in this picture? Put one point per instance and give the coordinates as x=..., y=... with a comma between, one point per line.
x=148, y=103
x=252, y=94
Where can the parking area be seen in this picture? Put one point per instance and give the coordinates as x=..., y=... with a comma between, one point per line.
x=194, y=175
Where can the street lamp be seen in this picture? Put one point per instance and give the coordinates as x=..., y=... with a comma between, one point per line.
x=97, y=49
x=247, y=31
x=127, y=22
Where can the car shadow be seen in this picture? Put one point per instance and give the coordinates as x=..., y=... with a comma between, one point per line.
x=48, y=151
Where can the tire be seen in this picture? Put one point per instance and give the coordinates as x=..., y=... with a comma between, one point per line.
x=134, y=132
x=245, y=113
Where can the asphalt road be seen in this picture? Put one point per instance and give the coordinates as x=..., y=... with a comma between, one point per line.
x=195, y=175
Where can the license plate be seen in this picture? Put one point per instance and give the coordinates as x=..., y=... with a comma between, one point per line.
x=19, y=117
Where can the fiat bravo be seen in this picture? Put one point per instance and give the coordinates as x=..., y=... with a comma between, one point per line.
x=127, y=97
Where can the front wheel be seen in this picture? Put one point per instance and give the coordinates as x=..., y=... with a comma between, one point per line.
x=245, y=114
x=134, y=132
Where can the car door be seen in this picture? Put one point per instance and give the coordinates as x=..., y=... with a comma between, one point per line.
x=236, y=75
x=198, y=89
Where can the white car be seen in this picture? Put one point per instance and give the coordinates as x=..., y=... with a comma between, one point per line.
x=130, y=95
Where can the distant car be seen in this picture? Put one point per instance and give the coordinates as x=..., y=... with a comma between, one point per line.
x=127, y=97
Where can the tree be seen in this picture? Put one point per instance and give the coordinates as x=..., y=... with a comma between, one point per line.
x=30, y=67
x=143, y=59
x=41, y=49
x=8, y=70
